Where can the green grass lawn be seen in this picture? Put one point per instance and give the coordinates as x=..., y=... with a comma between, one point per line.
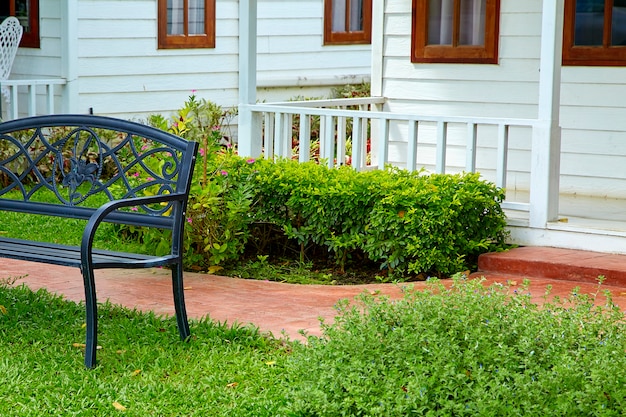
x=144, y=367
x=463, y=351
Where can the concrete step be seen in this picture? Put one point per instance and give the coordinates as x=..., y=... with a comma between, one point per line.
x=555, y=263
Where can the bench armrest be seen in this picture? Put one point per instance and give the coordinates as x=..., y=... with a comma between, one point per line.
x=103, y=211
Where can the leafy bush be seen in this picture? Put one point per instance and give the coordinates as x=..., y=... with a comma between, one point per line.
x=411, y=222
x=464, y=350
x=436, y=223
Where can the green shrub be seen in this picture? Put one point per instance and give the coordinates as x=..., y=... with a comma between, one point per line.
x=463, y=351
x=436, y=223
x=410, y=222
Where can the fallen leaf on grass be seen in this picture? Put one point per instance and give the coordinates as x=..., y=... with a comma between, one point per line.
x=82, y=346
x=119, y=406
x=136, y=372
x=270, y=363
x=3, y=309
x=232, y=385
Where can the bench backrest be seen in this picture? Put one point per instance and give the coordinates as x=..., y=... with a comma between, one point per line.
x=68, y=165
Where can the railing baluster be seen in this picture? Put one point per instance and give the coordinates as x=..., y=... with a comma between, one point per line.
x=327, y=141
x=503, y=150
x=442, y=142
x=383, y=143
x=270, y=119
x=14, y=107
x=287, y=150
x=364, y=137
x=278, y=134
x=411, y=157
x=470, y=152
x=304, y=139
x=341, y=140
x=50, y=98
x=357, y=144
x=32, y=100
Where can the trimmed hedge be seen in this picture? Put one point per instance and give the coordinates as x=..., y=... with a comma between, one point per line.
x=409, y=222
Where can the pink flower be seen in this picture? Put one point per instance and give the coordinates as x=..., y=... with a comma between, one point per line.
x=134, y=209
x=189, y=220
x=136, y=175
x=144, y=147
x=224, y=173
x=193, y=91
x=149, y=179
x=201, y=151
x=250, y=161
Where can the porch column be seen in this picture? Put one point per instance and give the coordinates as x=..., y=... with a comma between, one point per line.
x=546, y=138
x=249, y=125
x=69, y=56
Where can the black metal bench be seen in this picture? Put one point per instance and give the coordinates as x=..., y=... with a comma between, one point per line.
x=97, y=169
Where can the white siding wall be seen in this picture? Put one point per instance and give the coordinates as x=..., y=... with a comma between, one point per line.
x=593, y=116
x=291, y=51
x=123, y=73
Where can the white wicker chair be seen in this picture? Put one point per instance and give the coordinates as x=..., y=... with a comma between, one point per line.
x=10, y=36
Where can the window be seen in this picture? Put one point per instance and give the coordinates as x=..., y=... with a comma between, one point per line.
x=594, y=32
x=464, y=31
x=27, y=12
x=347, y=21
x=186, y=23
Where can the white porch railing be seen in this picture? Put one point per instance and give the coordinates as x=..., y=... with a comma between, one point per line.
x=348, y=127
x=30, y=97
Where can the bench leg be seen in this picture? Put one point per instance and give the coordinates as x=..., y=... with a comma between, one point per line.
x=91, y=308
x=179, y=301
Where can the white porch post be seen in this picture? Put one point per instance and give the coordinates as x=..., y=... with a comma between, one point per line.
x=249, y=125
x=546, y=140
x=69, y=56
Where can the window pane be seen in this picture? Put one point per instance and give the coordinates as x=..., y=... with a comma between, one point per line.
x=589, y=22
x=472, y=30
x=339, y=16
x=356, y=15
x=175, y=18
x=440, y=20
x=618, y=26
x=22, y=12
x=196, y=17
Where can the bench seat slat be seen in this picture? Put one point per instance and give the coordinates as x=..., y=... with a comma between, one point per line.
x=70, y=255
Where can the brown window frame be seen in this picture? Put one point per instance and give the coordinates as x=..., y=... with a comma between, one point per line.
x=205, y=40
x=602, y=55
x=347, y=37
x=422, y=52
x=31, y=38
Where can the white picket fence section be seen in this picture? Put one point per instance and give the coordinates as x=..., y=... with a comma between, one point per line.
x=368, y=122
x=31, y=97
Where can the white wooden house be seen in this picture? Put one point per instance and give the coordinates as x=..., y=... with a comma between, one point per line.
x=530, y=93
x=108, y=56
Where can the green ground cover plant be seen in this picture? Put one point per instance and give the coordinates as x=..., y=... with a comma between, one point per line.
x=455, y=350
